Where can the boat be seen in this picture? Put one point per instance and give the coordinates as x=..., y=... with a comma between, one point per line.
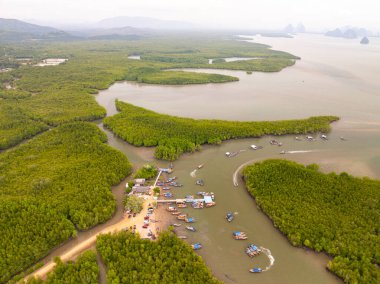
x=197, y=205
x=189, y=196
x=190, y=228
x=168, y=194
x=273, y=142
x=342, y=138
x=166, y=188
x=171, y=209
x=171, y=179
x=200, y=166
x=196, y=246
x=182, y=237
x=176, y=213
x=252, y=250
x=210, y=204
x=239, y=235
x=283, y=152
x=181, y=205
x=309, y=138
x=231, y=154
x=176, y=225
x=229, y=217
x=297, y=138
x=256, y=270
x=255, y=147
x=324, y=137
x=189, y=220
x=200, y=182
x=181, y=217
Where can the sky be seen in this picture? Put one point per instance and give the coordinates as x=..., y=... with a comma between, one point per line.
x=252, y=14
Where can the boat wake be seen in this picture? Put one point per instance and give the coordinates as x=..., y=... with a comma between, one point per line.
x=193, y=173
x=301, y=151
x=270, y=257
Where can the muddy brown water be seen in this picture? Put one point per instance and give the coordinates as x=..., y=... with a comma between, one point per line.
x=335, y=76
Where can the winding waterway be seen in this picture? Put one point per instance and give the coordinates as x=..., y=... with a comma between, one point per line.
x=335, y=76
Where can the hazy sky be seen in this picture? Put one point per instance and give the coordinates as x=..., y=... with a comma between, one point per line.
x=315, y=14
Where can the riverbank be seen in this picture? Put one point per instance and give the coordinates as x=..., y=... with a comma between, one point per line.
x=124, y=224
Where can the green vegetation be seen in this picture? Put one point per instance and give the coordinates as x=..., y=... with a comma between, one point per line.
x=218, y=60
x=84, y=270
x=338, y=214
x=15, y=126
x=147, y=172
x=57, y=94
x=130, y=259
x=133, y=203
x=183, y=78
x=51, y=185
x=176, y=135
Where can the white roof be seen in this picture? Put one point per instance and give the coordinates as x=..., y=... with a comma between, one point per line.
x=208, y=199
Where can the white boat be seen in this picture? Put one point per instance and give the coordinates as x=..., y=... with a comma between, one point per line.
x=255, y=147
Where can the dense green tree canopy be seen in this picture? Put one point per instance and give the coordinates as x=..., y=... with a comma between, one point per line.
x=176, y=135
x=130, y=259
x=84, y=270
x=338, y=214
x=57, y=94
x=51, y=185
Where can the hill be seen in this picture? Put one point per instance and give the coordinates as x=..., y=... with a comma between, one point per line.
x=16, y=30
x=143, y=22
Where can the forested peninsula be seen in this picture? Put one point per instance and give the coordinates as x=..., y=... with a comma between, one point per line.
x=337, y=214
x=176, y=135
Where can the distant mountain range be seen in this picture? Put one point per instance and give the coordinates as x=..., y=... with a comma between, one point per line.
x=143, y=23
x=119, y=28
x=15, y=30
x=348, y=32
x=290, y=29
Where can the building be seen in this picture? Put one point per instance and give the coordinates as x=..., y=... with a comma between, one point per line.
x=140, y=190
x=139, y=181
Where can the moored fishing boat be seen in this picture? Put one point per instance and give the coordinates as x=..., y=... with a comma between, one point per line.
x=239, y=235
x=176, y=225
x=189, y=220
x=181, y=205
x=181, y=217
x=200, y=182
x=196, y=246
x=197, y=205
x=210, y=204
x=229, y=217
x=252, y=250
x=176, y=213
x=171, y=209
x=190, y=228
x=168, y=194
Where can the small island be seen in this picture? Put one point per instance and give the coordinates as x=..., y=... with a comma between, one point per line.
x=364, y=40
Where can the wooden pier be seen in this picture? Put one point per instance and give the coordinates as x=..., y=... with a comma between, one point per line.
x=181, y=200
